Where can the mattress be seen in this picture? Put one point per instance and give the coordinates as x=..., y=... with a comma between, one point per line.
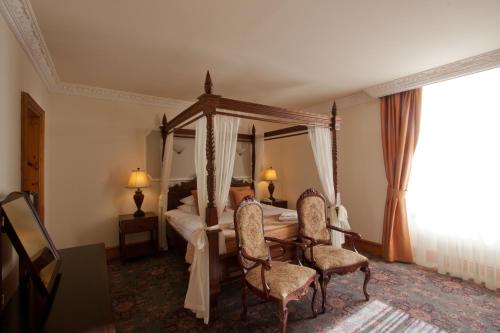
x=185, y=224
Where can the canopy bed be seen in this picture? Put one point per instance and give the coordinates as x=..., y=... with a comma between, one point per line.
x=216, y=119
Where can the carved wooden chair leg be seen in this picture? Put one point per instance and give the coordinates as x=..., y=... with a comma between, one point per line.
x=323, y=280
x=313, y=301
x=283, y=313
x=244, y=302
x=366, y=269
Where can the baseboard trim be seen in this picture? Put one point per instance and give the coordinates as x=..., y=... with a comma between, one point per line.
x=367, y=246
x=112, y=253
x=362, y=245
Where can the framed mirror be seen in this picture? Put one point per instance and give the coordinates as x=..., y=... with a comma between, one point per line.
x=37, y=254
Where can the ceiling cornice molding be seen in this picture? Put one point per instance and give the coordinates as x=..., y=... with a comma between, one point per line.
x=120, y=96
x=452, y=70
x=21, y=19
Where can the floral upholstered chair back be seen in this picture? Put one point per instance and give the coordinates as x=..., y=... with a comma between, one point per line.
x=249, y=228
x=311, y=210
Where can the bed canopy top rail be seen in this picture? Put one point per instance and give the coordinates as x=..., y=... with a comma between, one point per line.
x=238, y=108
x=192, y=111
x=190, y=133
x=242, y=108
x=285, y=132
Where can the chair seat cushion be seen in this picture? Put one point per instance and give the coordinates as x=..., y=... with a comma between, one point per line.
x=283, y=278
x=327, y=257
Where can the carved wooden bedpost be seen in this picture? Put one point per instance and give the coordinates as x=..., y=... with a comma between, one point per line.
x=253, y=158
x=208, y=83
x=210, y=105
x=163, y=129
x=334, y=148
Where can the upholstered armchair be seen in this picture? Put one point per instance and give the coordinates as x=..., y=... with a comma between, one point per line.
x=327, y=260
x=277, y=281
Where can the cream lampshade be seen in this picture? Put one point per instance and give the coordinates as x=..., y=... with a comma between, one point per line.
x=138, y=179
x=270, y=175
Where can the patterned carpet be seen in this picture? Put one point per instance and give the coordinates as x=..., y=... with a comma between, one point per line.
x=148, y=296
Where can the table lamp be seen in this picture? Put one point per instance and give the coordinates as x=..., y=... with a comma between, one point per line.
x=138, y=179
x=270, y=175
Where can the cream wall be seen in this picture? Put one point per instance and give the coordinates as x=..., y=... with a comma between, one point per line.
x=17, y=74
x=183, y=162
x=362, y=179
x=94, y=144
x=294, y=163
x=361, y=169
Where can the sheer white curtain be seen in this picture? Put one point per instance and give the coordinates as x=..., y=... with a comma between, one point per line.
x=163, y=199
x=198, y=293
x=226, y=139
x=453, y=191
x=321, y=143
x=259, y=163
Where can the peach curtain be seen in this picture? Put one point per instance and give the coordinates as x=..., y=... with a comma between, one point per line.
x=400, y=120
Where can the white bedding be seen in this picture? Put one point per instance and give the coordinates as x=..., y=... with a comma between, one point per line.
x=185, y=223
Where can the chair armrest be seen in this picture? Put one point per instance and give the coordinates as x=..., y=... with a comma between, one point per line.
x=299, y=247
x=265, y=265
x=310, y=246
x=282, y=242
x=350, y=233
x=315, y=242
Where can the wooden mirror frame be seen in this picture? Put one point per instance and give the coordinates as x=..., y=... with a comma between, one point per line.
x=27, y=268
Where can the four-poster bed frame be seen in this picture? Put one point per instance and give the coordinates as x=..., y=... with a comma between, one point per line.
x=209, y=105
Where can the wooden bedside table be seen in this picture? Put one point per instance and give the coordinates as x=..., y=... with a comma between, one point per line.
x=129, y=224
x=276, y=203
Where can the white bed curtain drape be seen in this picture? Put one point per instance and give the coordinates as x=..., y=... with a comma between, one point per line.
x=198, y=293
x=321, y=143
x=164, y=182
x=259, y=163
x=226, y=139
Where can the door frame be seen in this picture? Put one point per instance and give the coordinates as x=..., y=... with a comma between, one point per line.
x=29, y=107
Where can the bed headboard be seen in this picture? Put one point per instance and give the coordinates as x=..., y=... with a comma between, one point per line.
x=183, y=190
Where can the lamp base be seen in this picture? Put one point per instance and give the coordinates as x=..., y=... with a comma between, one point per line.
x=139, y=213
x=138, y=199
x=271, y=191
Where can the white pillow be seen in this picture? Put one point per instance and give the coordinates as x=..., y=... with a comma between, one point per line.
x=188, y=201
x=188, y=209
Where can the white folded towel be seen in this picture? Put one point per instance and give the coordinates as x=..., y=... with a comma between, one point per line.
x=288, y=216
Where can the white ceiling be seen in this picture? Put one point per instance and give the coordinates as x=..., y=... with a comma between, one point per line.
x=287, y=53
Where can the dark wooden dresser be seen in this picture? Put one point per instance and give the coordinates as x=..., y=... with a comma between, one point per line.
x=82, y=302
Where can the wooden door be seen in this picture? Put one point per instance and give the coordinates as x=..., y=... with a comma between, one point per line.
x=32, y=150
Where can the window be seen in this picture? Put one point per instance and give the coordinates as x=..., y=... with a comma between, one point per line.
x=453, y=195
